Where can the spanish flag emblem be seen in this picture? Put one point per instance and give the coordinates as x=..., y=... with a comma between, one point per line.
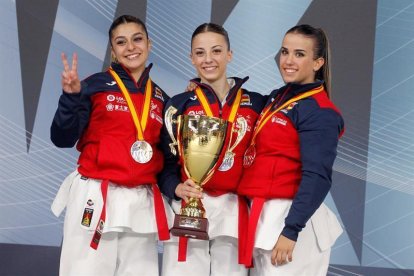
x=245, y=100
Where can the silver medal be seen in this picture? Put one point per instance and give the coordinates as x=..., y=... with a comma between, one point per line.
x=240, y=128
x=228, y=161
x=141, y=151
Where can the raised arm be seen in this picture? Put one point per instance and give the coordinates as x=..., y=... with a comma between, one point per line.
x=72, y=114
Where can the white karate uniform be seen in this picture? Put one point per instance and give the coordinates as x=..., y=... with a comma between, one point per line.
x=312, y=250
x=128, y=245
x=217, y=256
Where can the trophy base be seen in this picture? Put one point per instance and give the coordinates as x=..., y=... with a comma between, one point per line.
x=190, y=227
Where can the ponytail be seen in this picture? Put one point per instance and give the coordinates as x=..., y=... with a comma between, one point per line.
x=321, y=50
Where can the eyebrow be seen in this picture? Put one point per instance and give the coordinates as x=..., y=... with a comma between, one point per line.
x=215, y=46
x=123, y=36
x=295, y=50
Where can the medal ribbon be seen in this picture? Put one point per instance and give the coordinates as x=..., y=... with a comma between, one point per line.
x=234, y=108
x=266, y=115
x=203, y=100
x=204, y=103
x=140, y=125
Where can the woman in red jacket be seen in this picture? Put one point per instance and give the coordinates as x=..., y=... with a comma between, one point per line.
x=215, y=95
x=115, y=117
x=288, y=166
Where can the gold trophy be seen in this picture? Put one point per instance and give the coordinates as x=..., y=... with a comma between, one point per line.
x=200, y=140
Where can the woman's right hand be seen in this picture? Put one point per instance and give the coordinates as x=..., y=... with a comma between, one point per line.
x=188, y=189
x=70, y=79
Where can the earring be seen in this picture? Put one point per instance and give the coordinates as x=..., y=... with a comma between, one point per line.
x=114, y=59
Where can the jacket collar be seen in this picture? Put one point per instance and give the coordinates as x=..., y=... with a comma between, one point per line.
x=233, y=90
x=125, y=74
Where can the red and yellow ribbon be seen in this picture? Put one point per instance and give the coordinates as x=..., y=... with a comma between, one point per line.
x=266, y=115
x=204, y=103
x=139, y=125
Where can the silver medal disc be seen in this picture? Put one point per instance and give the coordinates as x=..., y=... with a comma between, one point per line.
x=141, y=152
x=249, y=156
x=228, y=162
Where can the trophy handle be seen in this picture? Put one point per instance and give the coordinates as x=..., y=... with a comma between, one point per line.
x=169, y=121
x=241, y=131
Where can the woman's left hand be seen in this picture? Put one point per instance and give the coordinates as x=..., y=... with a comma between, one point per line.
x=282, y=251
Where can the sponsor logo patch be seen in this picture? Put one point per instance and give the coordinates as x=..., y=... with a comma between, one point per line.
x=155, y=111
x=196, y=112
x=116, y=107
x=158, y=94
x=278, y=120
x=110, y=98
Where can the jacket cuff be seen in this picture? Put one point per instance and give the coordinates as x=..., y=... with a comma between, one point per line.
x=290, y=233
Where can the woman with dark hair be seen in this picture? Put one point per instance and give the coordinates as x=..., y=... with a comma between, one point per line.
x=215, y=95
x=115, y=117
x=288, y=165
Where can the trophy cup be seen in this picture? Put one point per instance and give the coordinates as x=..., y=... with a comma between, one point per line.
x=200, y=140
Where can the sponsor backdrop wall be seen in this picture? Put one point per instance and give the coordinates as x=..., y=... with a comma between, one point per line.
x=373, y=52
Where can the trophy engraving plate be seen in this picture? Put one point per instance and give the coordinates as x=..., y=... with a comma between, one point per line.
x=189, y=222
x=190, y=227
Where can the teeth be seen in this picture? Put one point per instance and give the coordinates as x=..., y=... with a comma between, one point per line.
x=132, y=56
x=209, y=68
x=290, y=70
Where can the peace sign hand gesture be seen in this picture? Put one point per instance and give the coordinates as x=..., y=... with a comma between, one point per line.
x=70, y=79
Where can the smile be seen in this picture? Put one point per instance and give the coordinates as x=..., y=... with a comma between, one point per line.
x=134, y=56
x=289, y=70
x=210, y=68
